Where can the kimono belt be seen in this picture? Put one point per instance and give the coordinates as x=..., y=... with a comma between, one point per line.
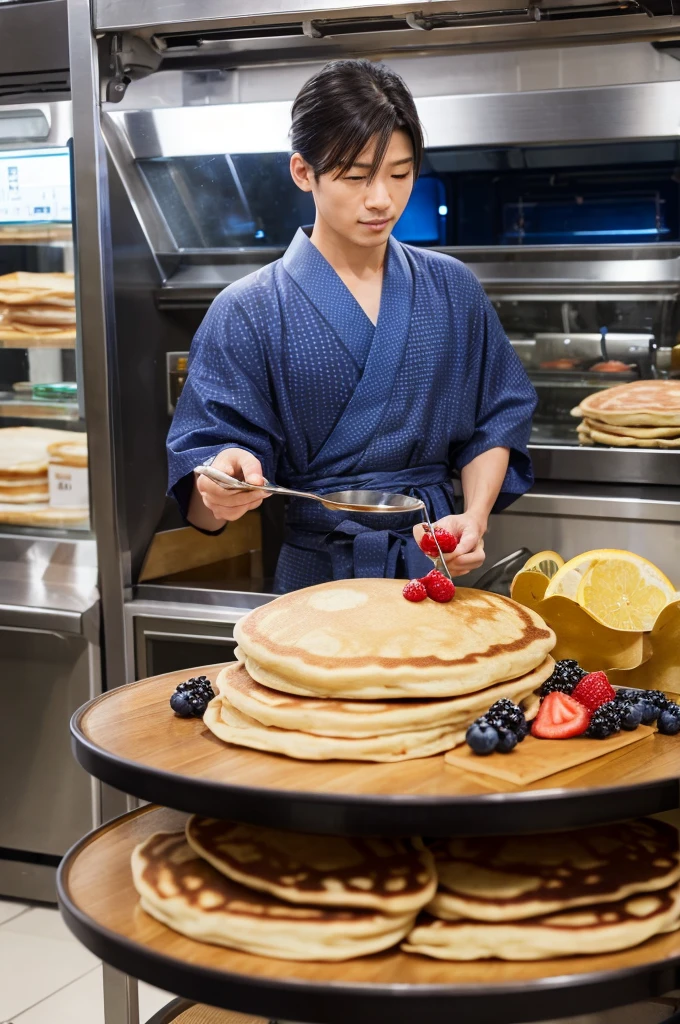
x=361, y=545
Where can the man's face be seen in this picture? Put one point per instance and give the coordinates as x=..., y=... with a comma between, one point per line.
x=358, y=211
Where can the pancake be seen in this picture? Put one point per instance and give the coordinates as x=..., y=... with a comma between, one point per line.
x=653, y=403
x=362, y=639
x=518, y=877
x=24, y=495
x=594, y=930
x=182, y=891
x=23, y=450
x=70, y=453
x=233, y=726
x=24, y=288
x=622, y=441
x=629, y=431
x=42, y=315
x=394, y=876
x=352, y=719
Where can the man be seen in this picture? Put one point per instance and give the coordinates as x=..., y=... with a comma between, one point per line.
x=355, y=361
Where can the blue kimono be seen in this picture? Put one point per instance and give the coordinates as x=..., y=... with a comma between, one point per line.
x=287, y=365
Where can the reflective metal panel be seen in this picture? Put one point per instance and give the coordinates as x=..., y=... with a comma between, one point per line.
x=646, y=111
x=114, y=14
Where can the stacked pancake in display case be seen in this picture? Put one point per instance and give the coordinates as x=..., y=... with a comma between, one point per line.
x=594, y=891
x=24, y=457
x=283, y=894
x=643, y=414
x=37, y=309
x=350, y=670
x=310, y=897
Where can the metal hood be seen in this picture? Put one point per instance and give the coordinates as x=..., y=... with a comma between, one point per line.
x=185, y=34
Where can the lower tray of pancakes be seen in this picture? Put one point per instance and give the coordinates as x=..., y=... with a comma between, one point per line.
x=303, y=897
x=350, y=670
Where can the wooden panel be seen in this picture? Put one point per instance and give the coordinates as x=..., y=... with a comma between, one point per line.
x=175, y=551
x=98, y=880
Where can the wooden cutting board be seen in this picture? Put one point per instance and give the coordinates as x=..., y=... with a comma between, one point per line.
x=536, y=759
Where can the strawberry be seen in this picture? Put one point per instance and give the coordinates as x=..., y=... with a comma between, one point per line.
x=438, y=586
x=447, y=542
x=560, y=717
x=593, y=691
x=415, y=591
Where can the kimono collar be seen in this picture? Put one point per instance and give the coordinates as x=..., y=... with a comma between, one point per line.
x=331, y=297
x=379, y=351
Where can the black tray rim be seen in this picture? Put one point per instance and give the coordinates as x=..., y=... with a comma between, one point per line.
x=522, y=812
x=309, y=1002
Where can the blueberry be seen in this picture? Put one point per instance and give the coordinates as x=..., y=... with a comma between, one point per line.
x=650, y=713
x=482, y=738
x=669, y=723
x=181, y=705
x=507, y=741
x=522, y=731
x=631, y=715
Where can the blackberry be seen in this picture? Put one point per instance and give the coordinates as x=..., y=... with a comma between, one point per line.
x=634, y=696
x=523, y=731
x=566, y=675
x=198, y=705
x=605, y=721
x=507, y=714
x=187, y=686
x=656, y=698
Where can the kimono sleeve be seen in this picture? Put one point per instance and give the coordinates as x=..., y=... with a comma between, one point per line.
x=506, y=401
x=226, y=401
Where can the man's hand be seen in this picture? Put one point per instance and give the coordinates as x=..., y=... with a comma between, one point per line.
x=212, y=505
x=469, y=528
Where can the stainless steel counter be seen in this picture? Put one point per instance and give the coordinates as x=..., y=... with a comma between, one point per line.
x=49, y=666
x=49, y=583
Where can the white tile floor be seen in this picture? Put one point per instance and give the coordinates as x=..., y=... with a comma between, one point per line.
x=47, y=977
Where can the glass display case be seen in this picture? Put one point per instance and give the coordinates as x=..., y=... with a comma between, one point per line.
x=43, y=445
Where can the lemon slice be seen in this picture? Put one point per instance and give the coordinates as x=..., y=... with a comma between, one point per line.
x=547, y=562
x=624, y=591
x=567, y=579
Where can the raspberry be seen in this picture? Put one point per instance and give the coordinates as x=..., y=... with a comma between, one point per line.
x=438, y=586
x=594, y=690
x=415, y=591
x=447, y=542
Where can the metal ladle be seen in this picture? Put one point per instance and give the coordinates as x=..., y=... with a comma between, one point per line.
x=381, y=502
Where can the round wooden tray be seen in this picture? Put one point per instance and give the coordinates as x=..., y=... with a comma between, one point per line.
x=100, y=906
x=131, y=740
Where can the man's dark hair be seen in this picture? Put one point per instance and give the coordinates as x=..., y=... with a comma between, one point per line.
x=345, y=105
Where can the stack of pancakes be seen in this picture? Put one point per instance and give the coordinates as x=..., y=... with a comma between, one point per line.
x=37, y=308
x=24, y=457
x=309, y=897
x=594, y=891
x=282, y=894
x=350, y=670
x=643, y=414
